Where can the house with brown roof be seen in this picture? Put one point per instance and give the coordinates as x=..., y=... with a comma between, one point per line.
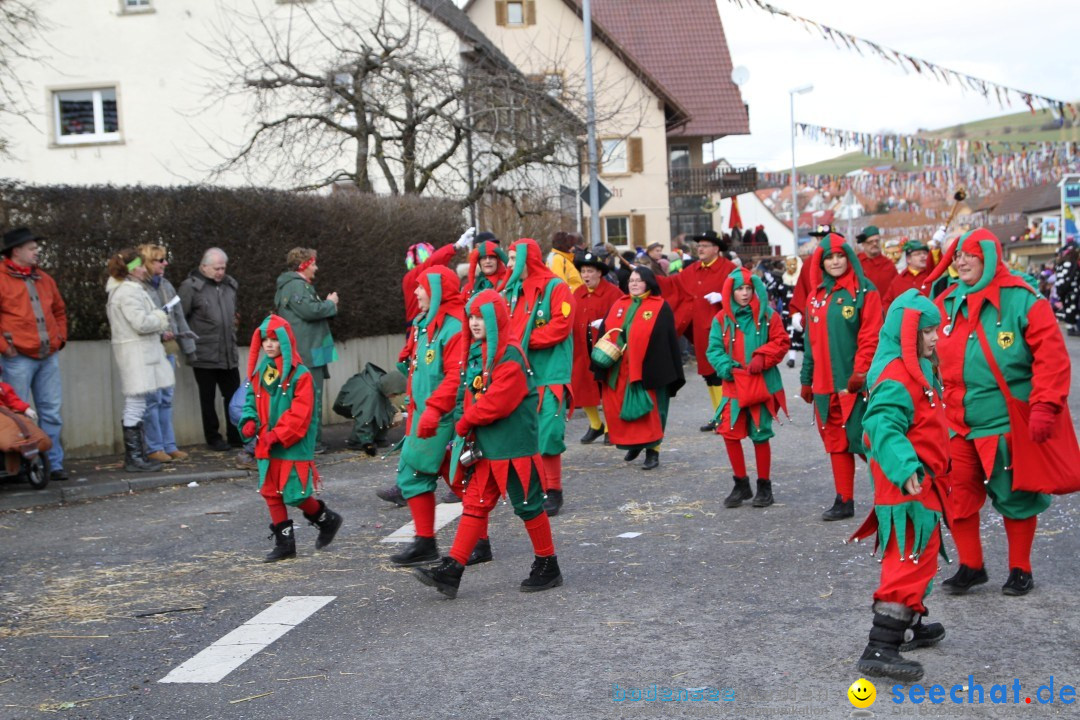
x=663, y=93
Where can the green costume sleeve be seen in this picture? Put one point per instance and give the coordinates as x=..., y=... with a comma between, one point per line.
x=248, y=413
x=722, y=362
x=306, y=304
x=806, y=374
x=888, y=417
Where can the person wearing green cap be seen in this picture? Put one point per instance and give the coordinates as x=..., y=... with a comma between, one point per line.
x=877, y=268
x=916, y=276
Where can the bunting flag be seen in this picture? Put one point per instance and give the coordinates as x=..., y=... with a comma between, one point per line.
x=1003, y=94
x=735, y=220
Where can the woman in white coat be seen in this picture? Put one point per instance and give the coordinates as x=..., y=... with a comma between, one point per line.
x=136, y=324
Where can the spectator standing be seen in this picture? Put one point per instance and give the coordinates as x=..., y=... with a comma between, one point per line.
x=33, y=329
x=208, y=298
x=561, y=261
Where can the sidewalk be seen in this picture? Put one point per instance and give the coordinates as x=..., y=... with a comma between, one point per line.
x=103, y=476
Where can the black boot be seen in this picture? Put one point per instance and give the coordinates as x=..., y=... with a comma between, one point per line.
x=328, y=522
x=882, y=657
x=708, y=427
x=632, y=455
x=134, y=458
x=481, y=553
x=284, y=542
x=840, y=510
x=1019, y=583
x=391, y=494
x=919, y=635
x=553, y=502
x=421, y=551
x=444, y=577
x=965, y=579
x=544, y=574
x=740, y=492
x=652, y=459
x=592, y=434
x=764, y=496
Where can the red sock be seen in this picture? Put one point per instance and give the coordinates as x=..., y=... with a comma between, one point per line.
x=540, y=533
x=763, y=457
x=1021, y=534
x=422, y=507
x=552, y=471
x=470, y=529
x=278, y=513
x=311, y=506
x=843, y=472
x=736, y=457
x=965, y=534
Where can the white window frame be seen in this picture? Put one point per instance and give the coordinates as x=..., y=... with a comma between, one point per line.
x=520, y=5
x=614, y=157
x=98, y=136
x=625, y=219
x=132, y=7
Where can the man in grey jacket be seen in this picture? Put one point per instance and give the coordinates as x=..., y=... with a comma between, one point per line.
x=208, y=296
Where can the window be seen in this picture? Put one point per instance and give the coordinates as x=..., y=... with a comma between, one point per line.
x=86, y=116
x=679, y=157
x=617, y=230
x=614, y=156
x=134, y=6
x=515, y=13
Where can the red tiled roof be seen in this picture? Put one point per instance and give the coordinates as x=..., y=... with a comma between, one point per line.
x=681, y=45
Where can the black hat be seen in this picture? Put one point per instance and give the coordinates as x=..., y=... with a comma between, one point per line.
x=487, y=236
x=18, y=236
x=589, y=259
x=823, y=231
x=709, y=236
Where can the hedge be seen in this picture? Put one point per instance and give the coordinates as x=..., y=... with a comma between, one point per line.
x=361, y=240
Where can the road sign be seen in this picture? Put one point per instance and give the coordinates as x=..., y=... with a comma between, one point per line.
x=602, y=191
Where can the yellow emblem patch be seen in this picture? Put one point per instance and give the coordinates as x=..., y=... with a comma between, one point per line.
x=429, y=356
x=567, y=308
x=1006, y=339
x=540, y=322
x=477, y=383
x=848, y=312
x=647, y=315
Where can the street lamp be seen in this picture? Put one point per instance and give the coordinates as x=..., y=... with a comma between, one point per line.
x=794, y=192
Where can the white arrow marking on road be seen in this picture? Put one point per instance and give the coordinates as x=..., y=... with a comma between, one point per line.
x=444, y=513
x=243, y=643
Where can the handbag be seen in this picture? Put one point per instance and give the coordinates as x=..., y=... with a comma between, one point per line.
x=749, y=389
x=1051, y=467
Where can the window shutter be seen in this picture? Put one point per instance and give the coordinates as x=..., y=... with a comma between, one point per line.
x=634, y=161
x=637, y=230
x=530, y=12
x=500, y=13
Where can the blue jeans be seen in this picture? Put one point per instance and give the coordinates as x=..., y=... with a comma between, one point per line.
x=158, y=420
x=41, y=378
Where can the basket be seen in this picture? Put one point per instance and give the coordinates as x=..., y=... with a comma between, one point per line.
x=606, y=353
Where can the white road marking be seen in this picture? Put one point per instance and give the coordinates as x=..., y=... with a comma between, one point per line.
x=230, y=652
x=629, y=535
x=444, y=513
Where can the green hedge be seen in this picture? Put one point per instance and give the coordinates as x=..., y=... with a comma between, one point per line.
x=361, y=241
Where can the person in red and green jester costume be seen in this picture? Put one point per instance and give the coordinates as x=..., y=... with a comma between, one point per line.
x=431, y=361
x=499, y=418
x=748, y=336
x=907, y=443
x=542, y=317
x=490, y=260
x=279, y=415
x=1027, y=345
x=843, y=318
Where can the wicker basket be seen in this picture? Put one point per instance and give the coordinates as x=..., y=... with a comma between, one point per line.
x=606, y=353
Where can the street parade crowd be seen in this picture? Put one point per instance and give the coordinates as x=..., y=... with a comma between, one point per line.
x=948, y=377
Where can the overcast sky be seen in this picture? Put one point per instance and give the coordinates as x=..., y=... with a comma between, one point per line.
x=1028, y=45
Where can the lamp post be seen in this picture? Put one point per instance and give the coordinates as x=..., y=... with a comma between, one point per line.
x=794, y=190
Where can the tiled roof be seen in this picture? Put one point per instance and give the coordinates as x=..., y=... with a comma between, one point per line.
x=1029, y=199
x=680, y=44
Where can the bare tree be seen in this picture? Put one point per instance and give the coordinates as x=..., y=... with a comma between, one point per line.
x=20, y=27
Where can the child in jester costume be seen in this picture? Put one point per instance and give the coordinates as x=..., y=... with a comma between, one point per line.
x=279, y=416
x=542, y=317
x=490, y=260
x=748, y=340
x=995, y=323
x=843, y=318
x=499, y=419
x=907, y=442
x=431, y=360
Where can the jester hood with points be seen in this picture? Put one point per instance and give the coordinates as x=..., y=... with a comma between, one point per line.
x=526, y=255
x=441, y=285
x=911, y=313
x=477, y=281
x=854, y=279
x=286, y=363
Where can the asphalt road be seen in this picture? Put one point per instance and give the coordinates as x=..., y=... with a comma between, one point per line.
x=764, y=610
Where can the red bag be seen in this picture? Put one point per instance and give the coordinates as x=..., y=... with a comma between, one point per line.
x=1050, y=467
x=749, y=389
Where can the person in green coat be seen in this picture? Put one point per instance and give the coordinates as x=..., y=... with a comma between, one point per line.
x=297, y=302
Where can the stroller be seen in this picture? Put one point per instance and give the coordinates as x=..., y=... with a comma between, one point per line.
x=25, y=447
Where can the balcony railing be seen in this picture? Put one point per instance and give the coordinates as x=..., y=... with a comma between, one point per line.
x=708, y=181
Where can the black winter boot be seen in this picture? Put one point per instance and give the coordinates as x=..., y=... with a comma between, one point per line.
x=284, y=542
x=919, y=635
x=481, y=553
x=965, y=579
x=421, y=551
x=840, y=510
x=764, y=496
x=553, y=502
x=134, y=456
x=544, y=574
x=652, y=459
x=392, y=494
x=1020, y=582
x=740, y=492
x=882, y=657
x=592, y=434
x=444, y=577
x=632, y=455
x=328, y=522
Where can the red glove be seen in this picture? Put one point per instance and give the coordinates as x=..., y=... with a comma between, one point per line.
x=429, y=423
x=1041, y=421
x=757, y=365
x=248, y=428
x=263, y=445
x=807, y=394
x=463, y=427
x=856, y=382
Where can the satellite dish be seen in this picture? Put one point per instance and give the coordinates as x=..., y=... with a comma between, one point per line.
x=740, y=75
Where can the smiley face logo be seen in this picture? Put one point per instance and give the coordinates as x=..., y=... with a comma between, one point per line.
x=862, y=693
